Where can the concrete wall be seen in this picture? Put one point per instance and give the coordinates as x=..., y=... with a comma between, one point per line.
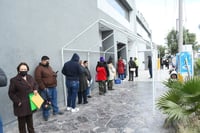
x=33, y=28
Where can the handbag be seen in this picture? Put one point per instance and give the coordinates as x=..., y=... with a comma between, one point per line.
x=47, y=101
x=37, y=100
x=132, y=69
x=118, y=81
x=32, y=104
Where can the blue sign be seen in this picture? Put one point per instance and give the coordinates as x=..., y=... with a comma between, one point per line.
x=185, y=63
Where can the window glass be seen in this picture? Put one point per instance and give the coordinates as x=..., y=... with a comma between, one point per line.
x=119, y=7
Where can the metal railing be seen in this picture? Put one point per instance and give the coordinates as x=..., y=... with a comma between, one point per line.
x=89, y=51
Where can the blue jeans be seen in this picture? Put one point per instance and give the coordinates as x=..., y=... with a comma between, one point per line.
x=72, y=90
x=1, y=126
x=50, y=94
x=121, y=76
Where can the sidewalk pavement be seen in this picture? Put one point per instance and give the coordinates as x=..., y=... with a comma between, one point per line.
x=130, y=108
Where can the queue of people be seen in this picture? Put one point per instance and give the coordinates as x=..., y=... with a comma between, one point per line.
x=132, y=68
x=44, y=83
x=78, y=85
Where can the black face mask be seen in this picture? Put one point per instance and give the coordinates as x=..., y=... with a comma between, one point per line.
x=46, y=65
x=23, y=73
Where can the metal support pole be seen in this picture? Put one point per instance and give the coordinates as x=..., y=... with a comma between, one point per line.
x=180, y=39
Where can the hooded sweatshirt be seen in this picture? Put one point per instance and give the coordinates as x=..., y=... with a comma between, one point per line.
x=72, y=68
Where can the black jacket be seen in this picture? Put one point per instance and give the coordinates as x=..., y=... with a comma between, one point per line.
x=3, y=78
x=72, y=69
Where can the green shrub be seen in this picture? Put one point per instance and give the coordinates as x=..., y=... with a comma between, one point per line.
x=181, y=102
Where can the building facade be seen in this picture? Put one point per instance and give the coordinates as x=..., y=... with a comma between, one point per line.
x=91, y=28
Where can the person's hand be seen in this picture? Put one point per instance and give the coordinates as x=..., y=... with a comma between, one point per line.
x=19, y=104
x=35, y=92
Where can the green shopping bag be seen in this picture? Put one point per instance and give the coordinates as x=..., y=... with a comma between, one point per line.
x=32, y=105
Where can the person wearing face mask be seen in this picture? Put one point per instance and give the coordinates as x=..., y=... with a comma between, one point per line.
x=46, y=79
x=19, y=89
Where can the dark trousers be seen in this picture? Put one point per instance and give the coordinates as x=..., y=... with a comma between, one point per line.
x=102, y=87
x=150, y=72
x=136, y=72
x=23, y=121
x=82, y=95
x=110, y=84
x=131, y=75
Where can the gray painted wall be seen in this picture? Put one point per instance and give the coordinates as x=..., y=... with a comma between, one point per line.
x=33, y=28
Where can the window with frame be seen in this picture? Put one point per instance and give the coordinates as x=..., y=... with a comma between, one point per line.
x=120, y=8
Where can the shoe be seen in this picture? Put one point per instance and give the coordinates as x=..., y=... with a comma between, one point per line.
x=85, y=102
x=89, y=96
x=75, y=110
x=69, y=108
x=46, y=118
x=58, y=113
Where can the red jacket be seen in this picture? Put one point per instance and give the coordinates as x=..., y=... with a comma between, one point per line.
x=101, y=74
x=120, y=66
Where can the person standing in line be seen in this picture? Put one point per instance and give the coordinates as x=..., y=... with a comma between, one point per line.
x=20, y=87
x=150, y=66
x=3, y=83
x=132, y=66
x=46, y=79
x=89, y=79
x=107, y=72
x=101, y=77
x=120, y=68
x=136, y=66
x=72, y=70
x=82, y=96
x=112, y=73
x=161, y=63
x=125, y=68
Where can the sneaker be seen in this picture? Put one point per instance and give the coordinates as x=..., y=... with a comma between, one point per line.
x=85, y=102
x=69, y=108
x=75, y=110
x=46, y=118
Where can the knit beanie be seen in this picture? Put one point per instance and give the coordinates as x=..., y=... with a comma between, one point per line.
x=102, y=59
